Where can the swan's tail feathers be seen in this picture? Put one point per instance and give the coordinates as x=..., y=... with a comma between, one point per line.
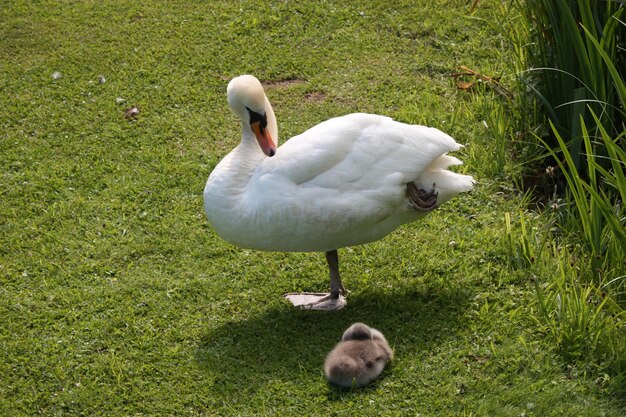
x=447, y=183
x=444, y=162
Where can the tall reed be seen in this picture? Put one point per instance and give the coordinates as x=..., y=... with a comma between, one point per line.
x=595, y=213
x=574, y=52
x=571, y=61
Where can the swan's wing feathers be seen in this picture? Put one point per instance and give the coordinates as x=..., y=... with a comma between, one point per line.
x=310, y=154
x=357, y=152
x=406, y=152
x=345, y=173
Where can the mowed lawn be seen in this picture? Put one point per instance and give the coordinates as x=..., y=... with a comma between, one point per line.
x=116, y=296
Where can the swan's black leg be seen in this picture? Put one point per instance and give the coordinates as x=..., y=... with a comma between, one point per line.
x=336, y=287
x=334, y=300
x=420, y=199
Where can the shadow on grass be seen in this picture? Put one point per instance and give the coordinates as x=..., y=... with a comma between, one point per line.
x=286, y=344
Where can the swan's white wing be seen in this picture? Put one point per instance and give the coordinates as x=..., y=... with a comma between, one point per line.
x=358, y=151
x=343, y=180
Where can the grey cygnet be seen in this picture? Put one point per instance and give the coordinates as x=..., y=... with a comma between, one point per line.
x=359, y=358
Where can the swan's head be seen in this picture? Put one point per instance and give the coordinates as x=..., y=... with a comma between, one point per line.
x=247, y=100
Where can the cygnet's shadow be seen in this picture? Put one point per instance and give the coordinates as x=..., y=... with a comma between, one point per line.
x=291, y=344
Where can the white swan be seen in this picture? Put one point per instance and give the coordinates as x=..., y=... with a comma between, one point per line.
x=347, y=181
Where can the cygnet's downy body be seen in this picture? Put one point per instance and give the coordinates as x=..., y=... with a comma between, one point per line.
x=359, y=358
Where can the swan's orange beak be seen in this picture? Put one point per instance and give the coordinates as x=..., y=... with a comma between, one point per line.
x=264, y=138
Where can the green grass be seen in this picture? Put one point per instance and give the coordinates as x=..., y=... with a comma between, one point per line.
x=118, y=299
x=577, y=253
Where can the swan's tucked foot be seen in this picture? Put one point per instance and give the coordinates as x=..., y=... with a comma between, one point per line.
x=420, y=199
x=317, y=301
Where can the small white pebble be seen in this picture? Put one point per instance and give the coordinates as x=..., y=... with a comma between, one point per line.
x=56, y=75
x=119, y=100
x=101, y=79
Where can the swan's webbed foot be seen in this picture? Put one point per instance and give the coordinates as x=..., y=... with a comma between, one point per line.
x=316, y=301
x=420, y=199
x=334, y=300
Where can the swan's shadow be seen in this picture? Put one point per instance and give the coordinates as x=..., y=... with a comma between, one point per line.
x=288, y=344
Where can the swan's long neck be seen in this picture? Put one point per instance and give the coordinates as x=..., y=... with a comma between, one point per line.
x=235, y=170
x=239, y=165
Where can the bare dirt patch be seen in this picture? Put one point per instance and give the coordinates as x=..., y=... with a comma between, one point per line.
x=315, y=97
x=283, y=83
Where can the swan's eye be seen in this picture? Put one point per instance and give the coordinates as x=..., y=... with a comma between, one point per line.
x=257, y=117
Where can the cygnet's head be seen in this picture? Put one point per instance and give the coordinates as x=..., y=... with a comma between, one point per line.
x=358, y=331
